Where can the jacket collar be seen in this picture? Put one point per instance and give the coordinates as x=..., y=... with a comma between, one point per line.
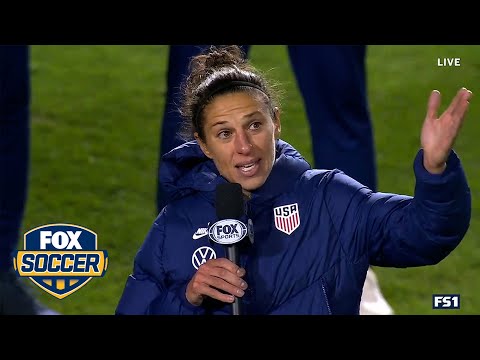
x=186, y=170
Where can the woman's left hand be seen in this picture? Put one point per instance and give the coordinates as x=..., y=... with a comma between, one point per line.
x=439, y=133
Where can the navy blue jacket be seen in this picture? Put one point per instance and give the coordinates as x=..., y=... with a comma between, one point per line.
x=315, y=234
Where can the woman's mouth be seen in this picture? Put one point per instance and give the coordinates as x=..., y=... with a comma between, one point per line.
x=248, y=169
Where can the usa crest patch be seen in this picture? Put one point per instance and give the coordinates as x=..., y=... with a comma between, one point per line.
x=287, y=218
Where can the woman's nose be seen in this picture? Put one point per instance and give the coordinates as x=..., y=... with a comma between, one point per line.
x=243, y=142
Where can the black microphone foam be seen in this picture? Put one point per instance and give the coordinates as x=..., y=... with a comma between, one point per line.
x=229, y=202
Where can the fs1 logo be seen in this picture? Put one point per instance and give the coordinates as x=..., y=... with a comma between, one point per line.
x=446, y=301
x=60, y=258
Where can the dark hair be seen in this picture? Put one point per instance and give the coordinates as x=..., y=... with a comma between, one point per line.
x=219, y=70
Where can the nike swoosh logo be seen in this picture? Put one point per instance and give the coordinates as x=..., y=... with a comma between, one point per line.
x=198, y=236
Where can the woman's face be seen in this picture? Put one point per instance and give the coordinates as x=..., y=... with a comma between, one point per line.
x=240, y=138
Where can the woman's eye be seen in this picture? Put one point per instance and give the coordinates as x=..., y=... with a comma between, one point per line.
x=256, y=125
x=223, y=134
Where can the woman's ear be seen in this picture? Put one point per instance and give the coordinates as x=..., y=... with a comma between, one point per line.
x=276, y=122
x=203, y=146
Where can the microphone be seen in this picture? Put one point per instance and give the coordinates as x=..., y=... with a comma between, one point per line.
x=230, y=230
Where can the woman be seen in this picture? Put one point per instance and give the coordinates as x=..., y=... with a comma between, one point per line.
x=337, y=227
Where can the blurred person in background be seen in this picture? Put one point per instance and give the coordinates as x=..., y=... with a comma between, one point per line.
x=15, y=297
x=333, y=83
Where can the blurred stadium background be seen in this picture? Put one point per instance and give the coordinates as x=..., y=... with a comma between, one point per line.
x=96, y=113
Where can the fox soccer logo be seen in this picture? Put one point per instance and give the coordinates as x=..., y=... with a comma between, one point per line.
x=60, y=258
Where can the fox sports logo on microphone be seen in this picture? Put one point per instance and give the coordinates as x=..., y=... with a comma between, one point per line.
x=228, y=231
x=60, y=258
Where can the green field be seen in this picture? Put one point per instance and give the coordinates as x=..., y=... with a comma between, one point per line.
x=96, y=113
